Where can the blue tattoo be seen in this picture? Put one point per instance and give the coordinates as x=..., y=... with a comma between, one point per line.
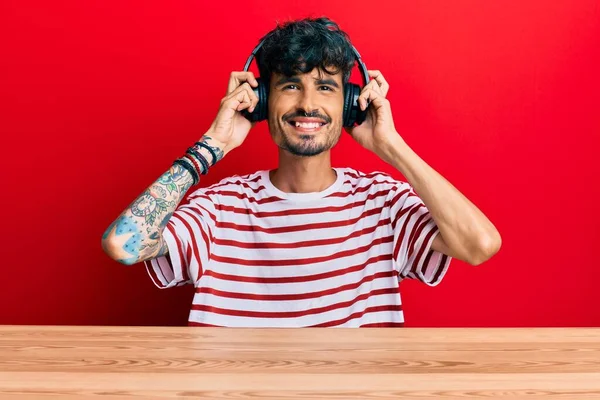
x=127, y=226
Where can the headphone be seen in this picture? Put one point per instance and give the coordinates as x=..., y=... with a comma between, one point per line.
x=352, y=112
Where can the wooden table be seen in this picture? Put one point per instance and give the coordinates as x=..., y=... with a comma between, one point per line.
x=398, y=363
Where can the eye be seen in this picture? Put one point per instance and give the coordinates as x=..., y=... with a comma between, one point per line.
x=326, y=87
x=289, y=86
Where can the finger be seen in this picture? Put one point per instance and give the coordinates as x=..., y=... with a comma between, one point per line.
x=377, y=101
x=238, y=77
x=244, y=99
x=245, y=87
x=373, y=85
x=250, y=95
x=378, y=77
x=370, y=96
x=238, y=100
x=253, y=97
x=363, y=99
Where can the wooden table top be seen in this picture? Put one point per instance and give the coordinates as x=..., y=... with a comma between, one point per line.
x=40, y=362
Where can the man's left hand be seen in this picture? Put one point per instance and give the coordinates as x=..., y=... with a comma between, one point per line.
x=377, y=132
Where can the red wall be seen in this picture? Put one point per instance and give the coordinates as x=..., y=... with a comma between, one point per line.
x=501, y=97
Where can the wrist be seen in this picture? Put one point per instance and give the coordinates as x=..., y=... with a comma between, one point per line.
x=211, y=148
x=405, y=160
x=393, y=150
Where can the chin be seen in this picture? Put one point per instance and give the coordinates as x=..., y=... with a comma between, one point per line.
x=303, y=147
x=305, y=152
x=304, y=144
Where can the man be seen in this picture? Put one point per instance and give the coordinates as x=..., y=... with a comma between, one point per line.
x=304, y=244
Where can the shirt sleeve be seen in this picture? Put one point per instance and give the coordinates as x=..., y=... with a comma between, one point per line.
x=188, y=235
x=414, y=230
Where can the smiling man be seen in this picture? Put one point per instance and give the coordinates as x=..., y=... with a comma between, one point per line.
x=311, y=131
x=304, y=244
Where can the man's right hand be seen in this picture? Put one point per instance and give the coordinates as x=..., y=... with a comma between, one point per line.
x=230, y=127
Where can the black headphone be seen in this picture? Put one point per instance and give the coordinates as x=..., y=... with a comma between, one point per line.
x=352, y=112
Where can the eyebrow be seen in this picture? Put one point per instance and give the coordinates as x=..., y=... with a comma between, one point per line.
x=295, y=79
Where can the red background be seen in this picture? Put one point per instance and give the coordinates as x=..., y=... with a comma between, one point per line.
x=501, y=97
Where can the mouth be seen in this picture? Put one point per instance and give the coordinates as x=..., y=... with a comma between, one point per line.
x=307, y=127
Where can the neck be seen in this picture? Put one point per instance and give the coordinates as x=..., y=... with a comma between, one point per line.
x=297, y=174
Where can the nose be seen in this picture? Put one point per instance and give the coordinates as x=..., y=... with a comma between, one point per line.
x=307, y=102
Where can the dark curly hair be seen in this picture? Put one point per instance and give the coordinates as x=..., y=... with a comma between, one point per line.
x=299, y=46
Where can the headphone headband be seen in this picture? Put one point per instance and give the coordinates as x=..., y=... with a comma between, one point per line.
x=361, y=66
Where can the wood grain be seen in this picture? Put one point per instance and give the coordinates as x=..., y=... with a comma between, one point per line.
x=213, y=363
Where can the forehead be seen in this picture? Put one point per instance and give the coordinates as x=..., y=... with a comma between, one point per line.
x=316, y=74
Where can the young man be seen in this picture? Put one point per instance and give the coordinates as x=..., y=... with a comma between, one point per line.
x=304, y=244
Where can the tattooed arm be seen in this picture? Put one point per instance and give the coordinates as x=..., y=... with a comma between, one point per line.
x=136, y=235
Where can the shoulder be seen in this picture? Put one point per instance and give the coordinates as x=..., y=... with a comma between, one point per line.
x=376, y=180
x=232, y=186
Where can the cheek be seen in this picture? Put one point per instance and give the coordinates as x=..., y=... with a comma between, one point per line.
x=338, y=109
x=279, y=102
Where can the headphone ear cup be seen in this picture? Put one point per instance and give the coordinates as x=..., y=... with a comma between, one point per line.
x=260, y=111
x=263, y=100
x=348, y=95
x=352, y=112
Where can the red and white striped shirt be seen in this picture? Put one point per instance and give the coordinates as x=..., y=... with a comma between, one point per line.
x=260, y=257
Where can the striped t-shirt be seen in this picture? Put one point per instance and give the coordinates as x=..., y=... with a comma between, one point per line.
x=260, y=257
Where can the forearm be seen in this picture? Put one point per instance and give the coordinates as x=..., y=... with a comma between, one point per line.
x=136, y=235
x=465, y=230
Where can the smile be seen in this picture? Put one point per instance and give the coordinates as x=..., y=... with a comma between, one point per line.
x=306, y=126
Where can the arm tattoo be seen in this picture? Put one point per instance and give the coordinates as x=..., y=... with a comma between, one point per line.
x=163, y=249
x=128, y=237
x=137, y=234
x=218, y=152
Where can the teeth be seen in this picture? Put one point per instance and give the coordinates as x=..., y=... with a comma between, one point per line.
x=308, y=125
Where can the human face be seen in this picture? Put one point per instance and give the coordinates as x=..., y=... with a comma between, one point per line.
x=305, y=111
